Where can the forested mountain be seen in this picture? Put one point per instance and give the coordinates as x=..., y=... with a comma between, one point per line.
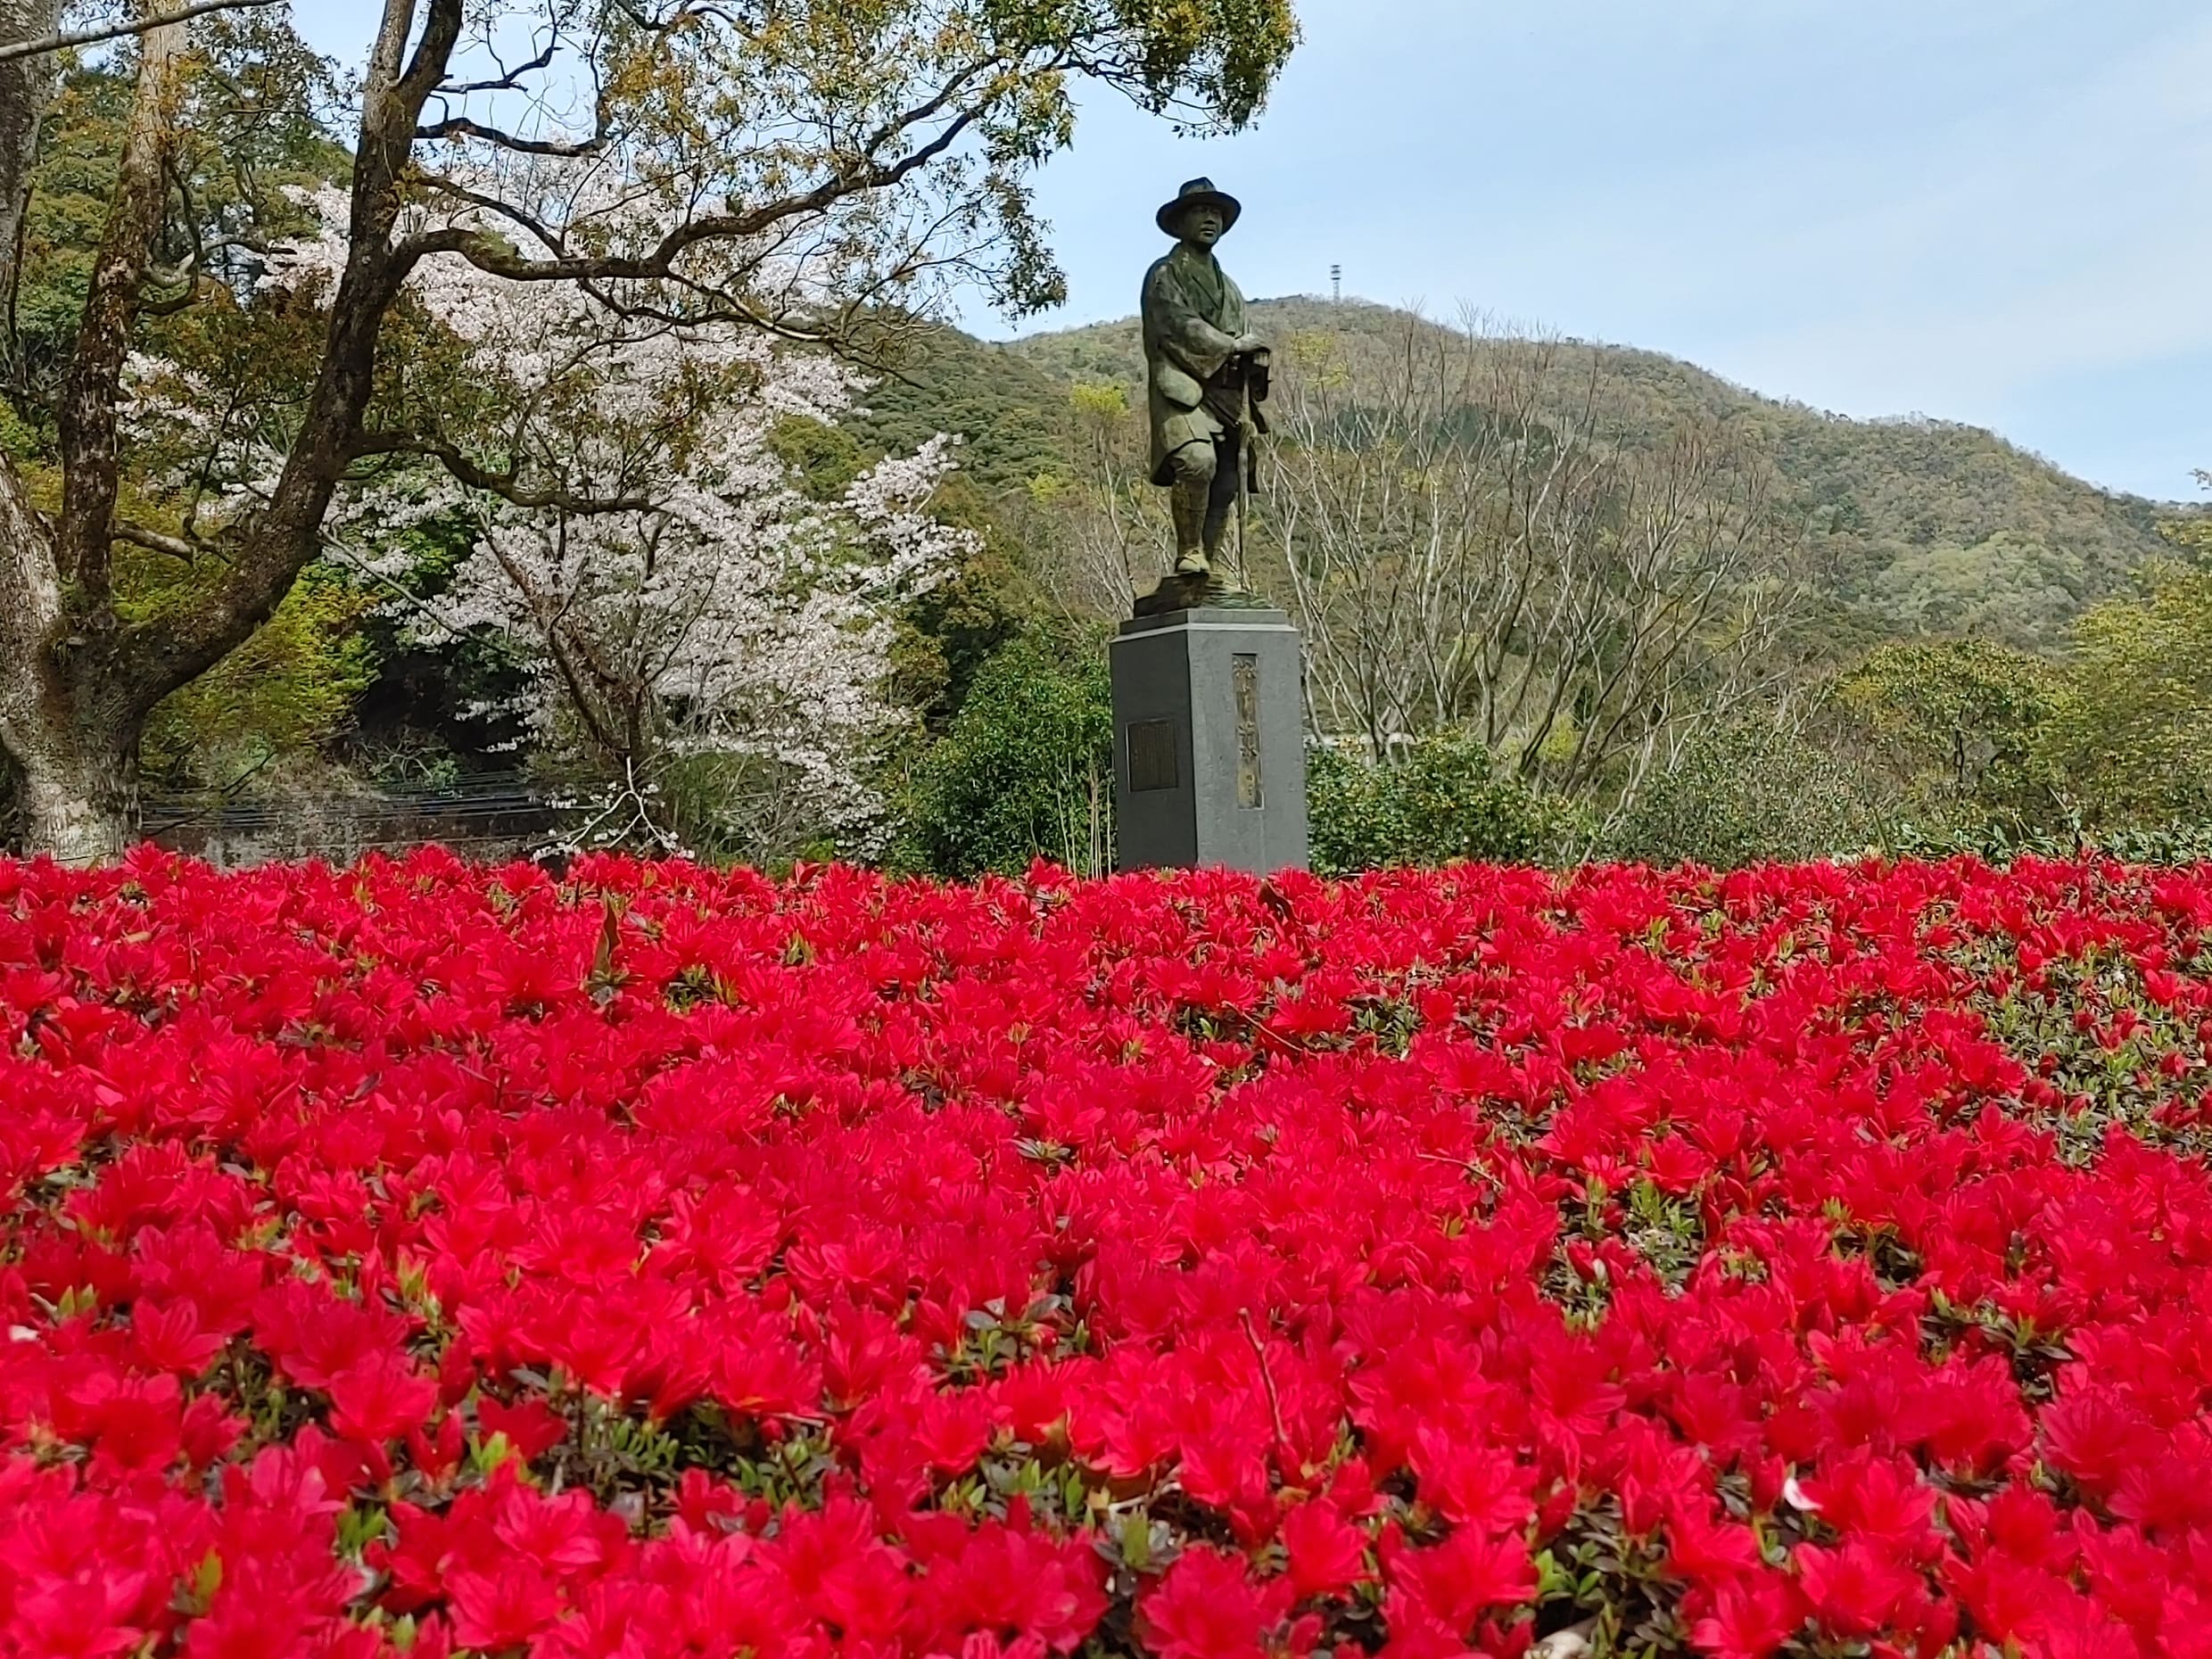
x=1913, y=525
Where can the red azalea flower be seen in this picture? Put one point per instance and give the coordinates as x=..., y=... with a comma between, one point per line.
x=1466, y=1575
x=503, y=1605
x=88, y=1616
x=906, y=1204
x=841, y=1573
x=1208, y=1606
x=377, y=1399
x=1706, y=1550
x=1853, y=1590
x=130, y=1422
x=1327, y=1553
x=168, y=1337
x=531, y=1426
x=1003, y=1582
x=1878, y=1501
x=1752, y=1616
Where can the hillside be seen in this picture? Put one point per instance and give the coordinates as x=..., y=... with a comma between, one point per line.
x=1915, y=525
x=1009, y=411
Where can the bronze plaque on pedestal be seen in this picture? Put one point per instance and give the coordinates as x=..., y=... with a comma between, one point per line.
x=1151, y=750
x=1244, y=674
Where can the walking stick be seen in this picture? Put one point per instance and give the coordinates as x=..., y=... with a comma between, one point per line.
x=1250, y=423
x=1247, y=456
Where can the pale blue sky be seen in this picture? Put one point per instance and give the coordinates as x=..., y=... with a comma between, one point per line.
x=1988, y=210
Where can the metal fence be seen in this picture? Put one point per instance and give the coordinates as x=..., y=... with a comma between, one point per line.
x=487, y=816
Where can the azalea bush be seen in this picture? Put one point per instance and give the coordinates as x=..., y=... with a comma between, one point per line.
x=651, y=1262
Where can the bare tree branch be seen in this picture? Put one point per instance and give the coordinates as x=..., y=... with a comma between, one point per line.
x=490, y=254
x=118, y=31
x=508, y=80
x=461, y=127
x=155, y=541
x=506, y=486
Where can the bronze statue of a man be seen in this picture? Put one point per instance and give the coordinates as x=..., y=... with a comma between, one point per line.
x=1205, y=371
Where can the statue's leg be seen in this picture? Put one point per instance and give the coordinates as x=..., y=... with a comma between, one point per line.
x=1221, y=491
x=1196, y=479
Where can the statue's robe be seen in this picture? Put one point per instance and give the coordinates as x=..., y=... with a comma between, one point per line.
x=1194, y=317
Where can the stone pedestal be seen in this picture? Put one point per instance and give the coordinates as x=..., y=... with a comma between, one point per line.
x=1209, y=757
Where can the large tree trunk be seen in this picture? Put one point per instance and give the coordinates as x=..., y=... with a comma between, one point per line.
x=79, y=792
x=76, y=751
x=25, y=85
x=70, y=722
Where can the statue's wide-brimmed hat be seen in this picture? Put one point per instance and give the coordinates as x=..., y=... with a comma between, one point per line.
x=1198, y=193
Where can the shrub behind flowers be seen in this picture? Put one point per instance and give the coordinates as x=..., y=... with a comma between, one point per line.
x=656, y=1262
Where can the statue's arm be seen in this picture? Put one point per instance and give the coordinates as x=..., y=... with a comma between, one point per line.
x=1245, y=341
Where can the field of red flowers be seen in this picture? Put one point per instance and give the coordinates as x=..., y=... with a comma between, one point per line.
x=433, y=1259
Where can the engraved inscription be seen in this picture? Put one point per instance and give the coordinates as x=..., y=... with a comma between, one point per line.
x=1244, y=673
x=1151, y=746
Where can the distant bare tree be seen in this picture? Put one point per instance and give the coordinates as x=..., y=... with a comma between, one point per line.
x=1106, y=527
x=1465, y=548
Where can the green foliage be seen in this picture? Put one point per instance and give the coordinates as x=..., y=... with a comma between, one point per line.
x=1996, y=752
x=950, y=632
x=1956, y=725
x=2176, y=842
x=70, y=187
x=1024, y=771
x=1005, y=411
x=2004, y=587
x=1751, y=792
x=2192, y=532
x=2130, y=735
x=289, y=690
x=432, y=703
x=1443, y=797
x=823, y=458
x=725, y=807
x=245, y=132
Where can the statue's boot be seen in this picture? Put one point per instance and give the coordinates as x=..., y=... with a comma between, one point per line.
x=1187, y=505
x=1216, y=530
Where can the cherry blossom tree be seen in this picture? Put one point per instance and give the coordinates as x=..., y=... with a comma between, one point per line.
x=734, y=621
x=667, y=585
x=802, y=171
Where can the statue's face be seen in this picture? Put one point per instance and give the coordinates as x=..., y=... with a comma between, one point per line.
x=1202, y=224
